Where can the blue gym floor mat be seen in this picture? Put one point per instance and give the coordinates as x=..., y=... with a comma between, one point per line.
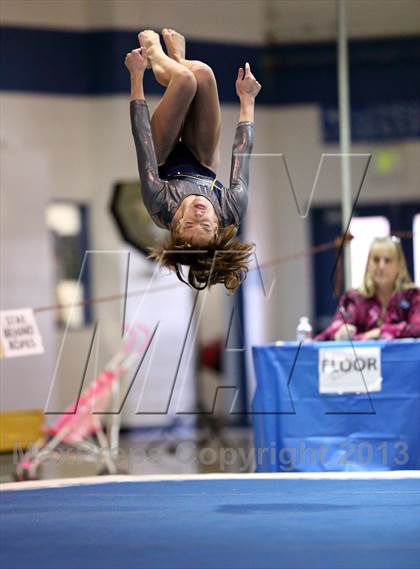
x=244, y=523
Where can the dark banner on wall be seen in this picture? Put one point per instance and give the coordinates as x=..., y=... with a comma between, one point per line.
x=375, y=122
x=384, y=74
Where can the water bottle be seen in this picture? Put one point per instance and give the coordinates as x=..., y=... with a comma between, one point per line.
x=304, y=330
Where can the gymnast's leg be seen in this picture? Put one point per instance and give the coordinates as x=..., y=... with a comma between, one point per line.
x=201, y=132
x=181, y=86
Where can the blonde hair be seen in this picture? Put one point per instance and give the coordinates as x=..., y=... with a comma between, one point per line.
x=223, y=260
x=403, y=280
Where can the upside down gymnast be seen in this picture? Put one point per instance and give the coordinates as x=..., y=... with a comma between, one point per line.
x=178, y=153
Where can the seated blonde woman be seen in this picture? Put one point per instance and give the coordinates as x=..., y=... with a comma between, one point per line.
x=387, y=303
x=178, y=153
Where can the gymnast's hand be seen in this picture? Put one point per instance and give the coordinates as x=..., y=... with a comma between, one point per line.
x=136, y=61
x=247, y=87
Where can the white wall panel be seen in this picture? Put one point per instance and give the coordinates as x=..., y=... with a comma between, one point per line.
x=44, y=13
x=60, y=126
x=221, y=20
x=246, y=21
x=316, y=20
x=26, y=271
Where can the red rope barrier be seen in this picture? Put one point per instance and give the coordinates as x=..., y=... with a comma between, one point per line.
x=335, y=244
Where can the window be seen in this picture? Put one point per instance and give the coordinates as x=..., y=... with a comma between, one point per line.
x=67, y=222
x=416, y=248
x=364, y=230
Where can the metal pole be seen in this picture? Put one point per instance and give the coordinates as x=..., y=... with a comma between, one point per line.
x=345, y=130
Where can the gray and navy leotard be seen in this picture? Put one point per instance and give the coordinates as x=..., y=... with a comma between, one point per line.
x=164, y=188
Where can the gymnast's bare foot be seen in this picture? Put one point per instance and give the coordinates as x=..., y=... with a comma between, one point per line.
x=164, y=67
x=175, y=43
x=149, y=40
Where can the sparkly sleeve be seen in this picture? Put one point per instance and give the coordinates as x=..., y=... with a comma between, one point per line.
x=152, y=187
x=239, y=172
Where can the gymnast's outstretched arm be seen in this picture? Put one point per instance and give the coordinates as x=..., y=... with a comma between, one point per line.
x=152, y=187
x=247, y=88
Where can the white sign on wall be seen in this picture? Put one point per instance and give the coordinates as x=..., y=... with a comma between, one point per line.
x=349, y=370
x=19, y=334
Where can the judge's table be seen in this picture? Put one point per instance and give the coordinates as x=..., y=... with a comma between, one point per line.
x=337, y=406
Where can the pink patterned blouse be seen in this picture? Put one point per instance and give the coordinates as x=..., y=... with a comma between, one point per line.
x=400, y=320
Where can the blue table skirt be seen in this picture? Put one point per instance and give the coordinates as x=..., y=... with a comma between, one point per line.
x=298, y=429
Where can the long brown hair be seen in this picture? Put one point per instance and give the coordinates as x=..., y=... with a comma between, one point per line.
x=403, y=280
x=223, y=260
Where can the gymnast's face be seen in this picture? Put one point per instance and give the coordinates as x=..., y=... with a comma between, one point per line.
x=196, y=221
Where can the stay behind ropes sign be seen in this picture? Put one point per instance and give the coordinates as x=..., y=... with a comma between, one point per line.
x=19, y=334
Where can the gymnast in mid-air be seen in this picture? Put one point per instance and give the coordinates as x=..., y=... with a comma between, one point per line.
x=178, y=154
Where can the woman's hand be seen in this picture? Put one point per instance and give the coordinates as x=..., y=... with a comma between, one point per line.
x=136, y=61
x=373, y=334
x=247, y=87
x=345, y=332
